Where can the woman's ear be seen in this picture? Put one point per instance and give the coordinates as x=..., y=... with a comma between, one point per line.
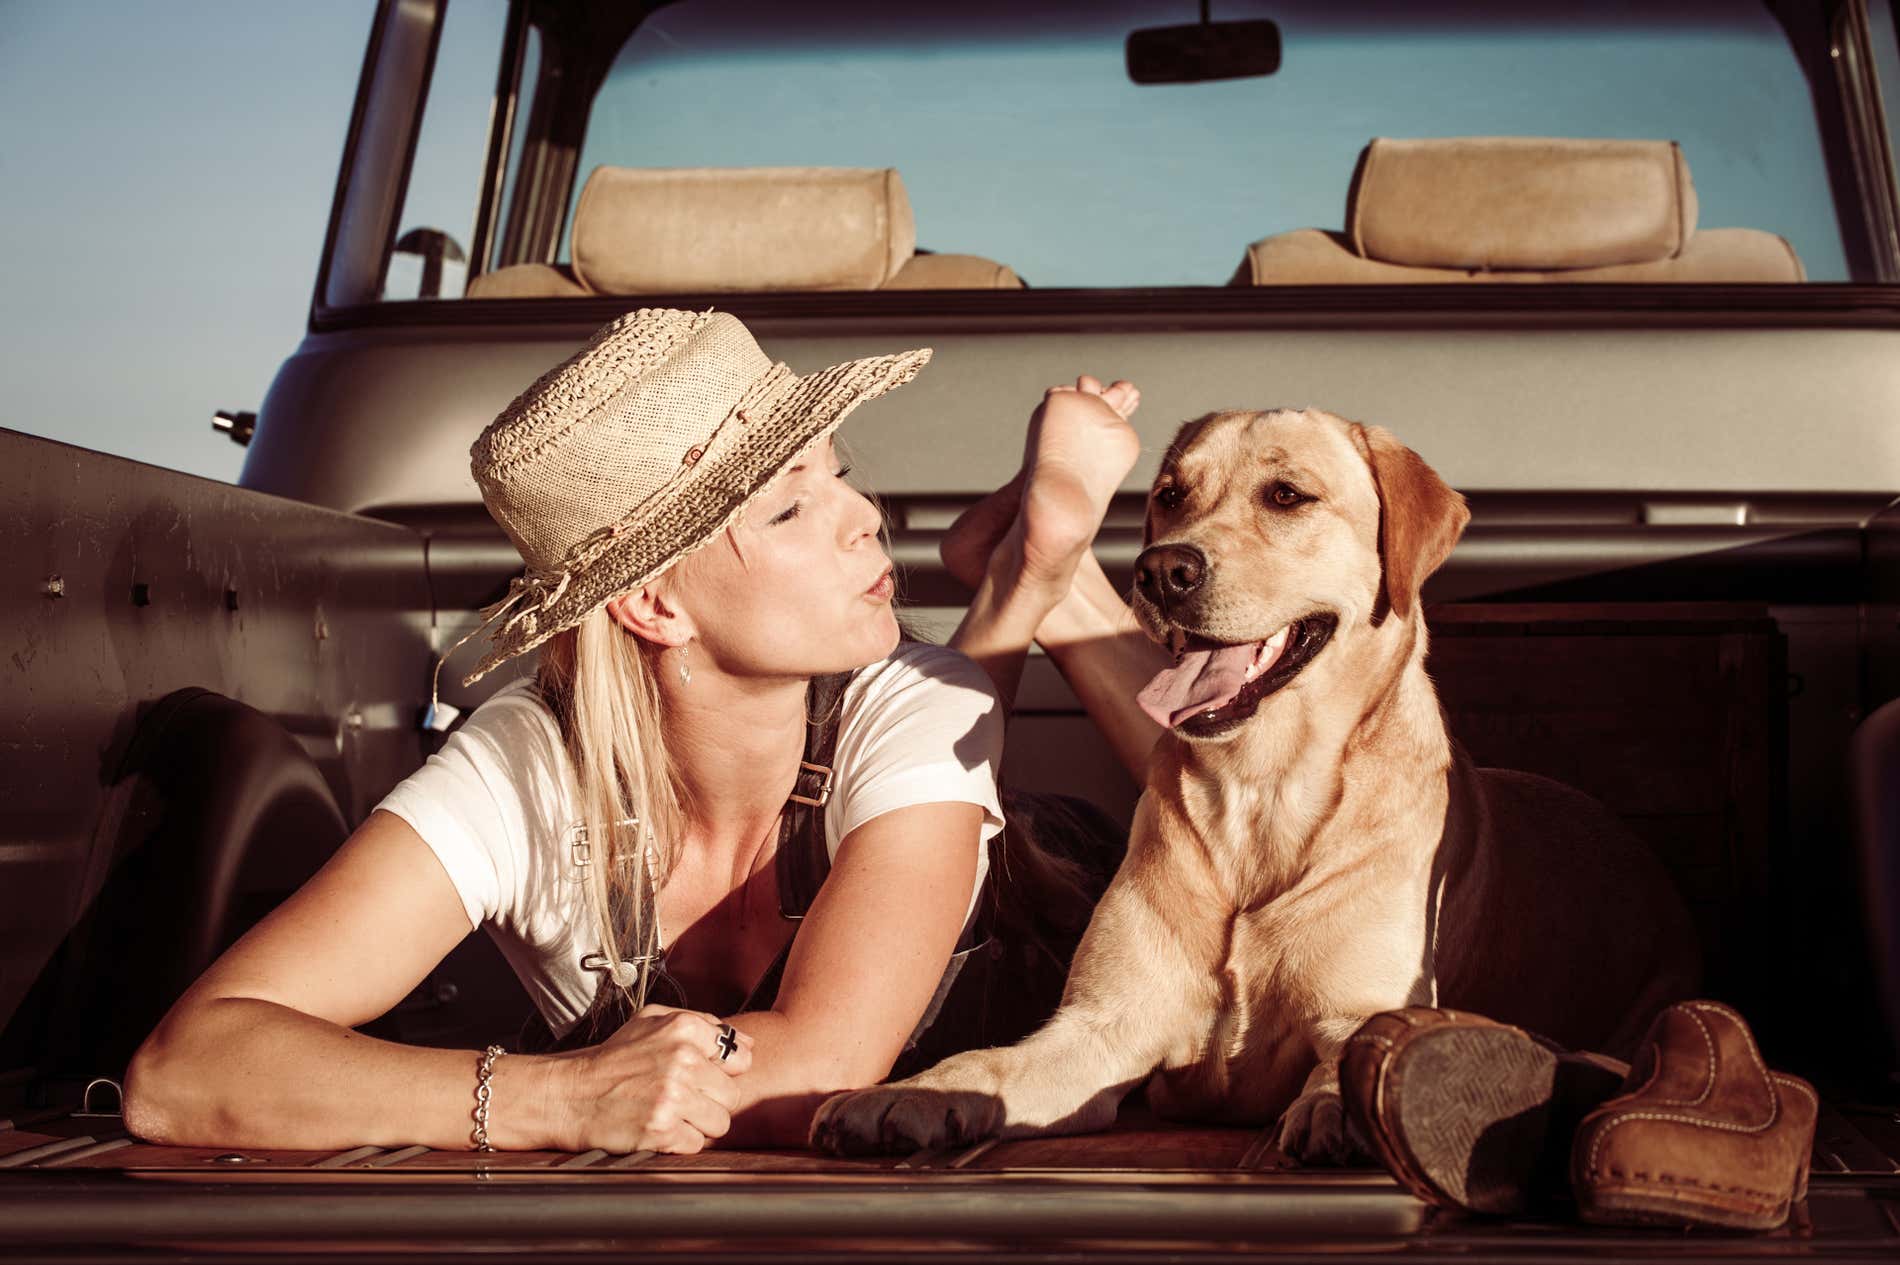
x=647, y=615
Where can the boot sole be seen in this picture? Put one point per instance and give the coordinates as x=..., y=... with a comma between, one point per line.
x=1631, y=1209
x=1470, y=1112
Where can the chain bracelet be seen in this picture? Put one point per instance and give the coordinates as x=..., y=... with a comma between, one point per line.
x=483, y=1092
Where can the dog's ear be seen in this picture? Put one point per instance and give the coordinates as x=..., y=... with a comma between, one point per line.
x=1420, y=517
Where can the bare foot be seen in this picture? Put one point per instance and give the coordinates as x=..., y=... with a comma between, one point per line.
x=1078, y=449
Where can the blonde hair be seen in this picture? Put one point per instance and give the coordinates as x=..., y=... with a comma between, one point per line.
x=602, y=686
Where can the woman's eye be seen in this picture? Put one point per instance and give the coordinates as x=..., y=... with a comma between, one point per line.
x=844, y=471
x=787, y=514
x=1286, y=496
x=1169, y=497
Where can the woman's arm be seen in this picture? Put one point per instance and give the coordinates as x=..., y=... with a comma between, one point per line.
x=260, y=1052
x=867, y=960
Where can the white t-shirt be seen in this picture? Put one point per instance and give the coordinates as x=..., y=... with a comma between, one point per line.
x=497, y=803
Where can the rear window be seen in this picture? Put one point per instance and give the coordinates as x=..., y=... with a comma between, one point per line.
x=1023, y=143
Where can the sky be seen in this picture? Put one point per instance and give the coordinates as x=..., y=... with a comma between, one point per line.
x=168, y=169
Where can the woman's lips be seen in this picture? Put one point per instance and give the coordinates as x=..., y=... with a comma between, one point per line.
x=881, y=591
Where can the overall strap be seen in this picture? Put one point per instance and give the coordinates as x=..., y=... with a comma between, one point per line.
x=803, y=859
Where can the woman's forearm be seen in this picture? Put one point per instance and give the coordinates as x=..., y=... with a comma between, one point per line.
x=786, y=1085
x=238, y=1071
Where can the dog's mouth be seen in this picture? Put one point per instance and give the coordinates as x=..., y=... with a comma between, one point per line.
x=1214, y=685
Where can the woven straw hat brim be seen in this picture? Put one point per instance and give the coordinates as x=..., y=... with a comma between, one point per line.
x=701, y=507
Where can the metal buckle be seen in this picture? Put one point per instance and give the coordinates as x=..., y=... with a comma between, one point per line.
x=824, y=784
x=624, y=972
x=580, y=849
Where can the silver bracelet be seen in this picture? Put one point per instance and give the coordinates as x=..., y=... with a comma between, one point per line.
x=483, y=1092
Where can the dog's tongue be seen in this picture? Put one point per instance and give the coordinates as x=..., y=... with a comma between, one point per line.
x=1202, y=681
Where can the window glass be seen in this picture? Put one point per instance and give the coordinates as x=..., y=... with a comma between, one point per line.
x=429, y=257
x=1021, y=138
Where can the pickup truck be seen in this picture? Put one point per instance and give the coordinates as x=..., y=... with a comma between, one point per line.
x=1628, y=275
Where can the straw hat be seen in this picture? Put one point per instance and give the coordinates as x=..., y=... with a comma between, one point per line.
x=641, y=448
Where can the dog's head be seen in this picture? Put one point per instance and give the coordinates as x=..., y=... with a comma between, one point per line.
x=1270, y=537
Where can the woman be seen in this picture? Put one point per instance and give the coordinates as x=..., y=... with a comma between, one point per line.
x=694, y=560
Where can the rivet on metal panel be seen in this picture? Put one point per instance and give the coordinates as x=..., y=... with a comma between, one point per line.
x=55, y=586
x=231, y=1158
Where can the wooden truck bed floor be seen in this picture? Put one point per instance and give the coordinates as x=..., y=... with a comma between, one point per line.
x=76, y=1188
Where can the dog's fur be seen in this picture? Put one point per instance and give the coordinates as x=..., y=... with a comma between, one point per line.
x=1332, y=856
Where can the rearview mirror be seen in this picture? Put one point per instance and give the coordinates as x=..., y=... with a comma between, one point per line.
x=1203, y=51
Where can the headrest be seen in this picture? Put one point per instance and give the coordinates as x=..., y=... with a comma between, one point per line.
x=1521, y=203
x=661, y=231
x=525, y=281
x=954, y=272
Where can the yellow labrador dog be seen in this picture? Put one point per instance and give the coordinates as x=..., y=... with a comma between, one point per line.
x=1312, y=848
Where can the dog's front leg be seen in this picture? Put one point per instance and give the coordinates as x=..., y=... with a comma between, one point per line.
x=1138, y=986
x=1314, y=1129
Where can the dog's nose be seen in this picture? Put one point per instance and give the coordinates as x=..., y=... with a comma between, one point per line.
x=1168, y=571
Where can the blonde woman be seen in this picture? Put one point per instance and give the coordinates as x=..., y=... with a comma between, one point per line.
x=717, y=929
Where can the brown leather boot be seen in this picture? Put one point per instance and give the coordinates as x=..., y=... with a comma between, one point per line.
x=1468, y=1113
x=1704, y=1133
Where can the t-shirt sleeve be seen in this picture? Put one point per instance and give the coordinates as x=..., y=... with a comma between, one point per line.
x=482, y=800
x=927, y=728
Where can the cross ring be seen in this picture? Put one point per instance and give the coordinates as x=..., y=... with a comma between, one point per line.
x=726, y=1042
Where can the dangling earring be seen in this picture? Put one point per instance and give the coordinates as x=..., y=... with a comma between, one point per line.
x=686, y=673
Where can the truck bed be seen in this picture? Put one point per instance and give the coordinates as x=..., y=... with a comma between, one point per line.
x=78, y=1187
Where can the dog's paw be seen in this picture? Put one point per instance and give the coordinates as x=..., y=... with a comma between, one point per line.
x=900, y=1120
x=1314, y=1130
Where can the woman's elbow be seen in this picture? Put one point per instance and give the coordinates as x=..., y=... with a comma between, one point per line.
x=171, y=1094
x=151, y=1106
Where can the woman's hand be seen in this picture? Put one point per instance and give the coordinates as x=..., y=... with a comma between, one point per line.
x=655, y=1085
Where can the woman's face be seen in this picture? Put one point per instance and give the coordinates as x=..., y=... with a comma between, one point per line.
x=801, y=587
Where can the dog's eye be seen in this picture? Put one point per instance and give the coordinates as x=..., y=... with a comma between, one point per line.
x=1286, y=496
x=1169, y=496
